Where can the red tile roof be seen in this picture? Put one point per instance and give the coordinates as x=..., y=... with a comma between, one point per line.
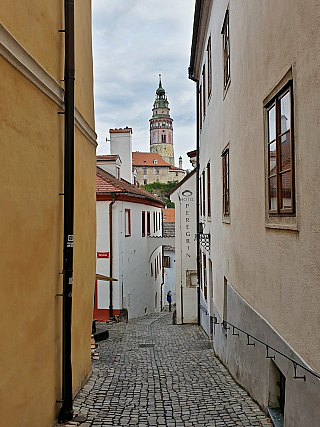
x=105, y=186
x=146, y=159
x=107, y=183
x=175, y=168
x=168, y=215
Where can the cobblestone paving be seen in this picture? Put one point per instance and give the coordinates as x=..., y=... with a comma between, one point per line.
x=153, y=373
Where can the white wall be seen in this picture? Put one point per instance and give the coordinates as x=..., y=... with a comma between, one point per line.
x=110, y=167
x=135, y=290
x=121, y=144
x=134, y=265
x=185, y=244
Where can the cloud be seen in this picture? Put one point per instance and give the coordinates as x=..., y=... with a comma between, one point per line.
x=132, y=40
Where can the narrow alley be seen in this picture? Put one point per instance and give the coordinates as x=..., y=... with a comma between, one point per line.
x=154, y=373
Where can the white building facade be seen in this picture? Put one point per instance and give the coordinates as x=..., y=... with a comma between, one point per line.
x=184, y=197
x=256, y=65
x=126, y=217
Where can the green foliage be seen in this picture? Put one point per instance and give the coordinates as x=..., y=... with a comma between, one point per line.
x=161, y=190
x=170, y=204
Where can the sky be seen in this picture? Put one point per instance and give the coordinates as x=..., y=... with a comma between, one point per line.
x=132, y=40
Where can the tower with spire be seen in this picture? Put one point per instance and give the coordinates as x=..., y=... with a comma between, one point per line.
x=161, y=130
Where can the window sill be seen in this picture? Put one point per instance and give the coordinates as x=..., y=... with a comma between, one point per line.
x=282, y=227
x=282, y=223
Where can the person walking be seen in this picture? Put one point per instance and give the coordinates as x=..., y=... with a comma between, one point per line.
x=169, y=298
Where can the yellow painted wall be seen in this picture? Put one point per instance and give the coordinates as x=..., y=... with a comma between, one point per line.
x=30, y=244
x=36, y=24
x=31, y=218
x=84, y=258
x=83, y=57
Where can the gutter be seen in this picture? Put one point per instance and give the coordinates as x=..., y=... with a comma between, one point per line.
x=66, y=410
x=196, y=23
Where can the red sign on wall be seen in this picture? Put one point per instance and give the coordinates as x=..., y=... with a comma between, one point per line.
x=102, y=254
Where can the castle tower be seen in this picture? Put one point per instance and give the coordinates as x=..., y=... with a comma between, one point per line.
x=161, y=130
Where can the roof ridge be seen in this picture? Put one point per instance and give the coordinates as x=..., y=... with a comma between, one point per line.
x=125, y=185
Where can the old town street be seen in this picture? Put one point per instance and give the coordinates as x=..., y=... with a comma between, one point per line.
x=153, y=373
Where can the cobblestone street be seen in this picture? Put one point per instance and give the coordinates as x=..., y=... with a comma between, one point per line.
x=153, y=373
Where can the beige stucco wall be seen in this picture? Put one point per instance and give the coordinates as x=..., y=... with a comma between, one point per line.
x=31, y=176
x=276, y=271
x=151, y=176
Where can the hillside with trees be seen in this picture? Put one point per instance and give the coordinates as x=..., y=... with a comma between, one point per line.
x=161, y=190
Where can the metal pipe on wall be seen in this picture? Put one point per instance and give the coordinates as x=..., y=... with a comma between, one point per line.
x=66, y=411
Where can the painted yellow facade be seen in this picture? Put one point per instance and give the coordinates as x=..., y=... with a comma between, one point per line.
x=31, y=218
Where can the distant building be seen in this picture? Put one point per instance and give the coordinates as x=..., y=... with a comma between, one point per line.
x=158, y=165
x=161, y=129
x=150, y=167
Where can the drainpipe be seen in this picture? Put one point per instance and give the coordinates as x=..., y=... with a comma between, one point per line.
x=66, y=411
x=113, y=196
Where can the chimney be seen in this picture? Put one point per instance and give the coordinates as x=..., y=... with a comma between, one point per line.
x=121, y=144
x=180, y=162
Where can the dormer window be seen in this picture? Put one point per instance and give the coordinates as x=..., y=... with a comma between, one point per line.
x=155, y=161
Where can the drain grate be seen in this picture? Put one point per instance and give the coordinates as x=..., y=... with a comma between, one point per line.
x=146, y=345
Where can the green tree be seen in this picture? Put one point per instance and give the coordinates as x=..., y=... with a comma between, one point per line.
x=161, y=190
